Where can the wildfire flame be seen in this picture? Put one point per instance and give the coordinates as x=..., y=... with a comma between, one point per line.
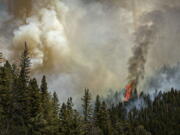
x=129, y=89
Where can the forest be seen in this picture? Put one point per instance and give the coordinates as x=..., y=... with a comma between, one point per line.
x=29, y=109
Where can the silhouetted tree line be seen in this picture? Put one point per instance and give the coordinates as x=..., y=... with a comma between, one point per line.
x=29, y=109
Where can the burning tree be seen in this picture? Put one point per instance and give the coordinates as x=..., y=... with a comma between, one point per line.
x=129, y=90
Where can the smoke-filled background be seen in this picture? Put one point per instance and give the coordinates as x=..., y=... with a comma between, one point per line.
x=95, y=44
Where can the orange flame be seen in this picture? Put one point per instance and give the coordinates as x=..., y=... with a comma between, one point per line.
x=129, y=88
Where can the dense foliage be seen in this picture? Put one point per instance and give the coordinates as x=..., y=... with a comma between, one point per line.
x=29, y=109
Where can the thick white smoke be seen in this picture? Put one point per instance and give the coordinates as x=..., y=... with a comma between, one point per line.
x=83, y=43
x=45, y=36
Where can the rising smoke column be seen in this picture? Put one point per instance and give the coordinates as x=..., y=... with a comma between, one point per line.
x=144, y=37
x=156, y=43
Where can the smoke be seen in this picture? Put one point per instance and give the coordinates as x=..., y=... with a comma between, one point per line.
x=165, y=48
x=46, y=39
x=144, y=36
x=155, y=38
x=76, y=44
x=163, y=79
x=20, y=8
x=95, y=44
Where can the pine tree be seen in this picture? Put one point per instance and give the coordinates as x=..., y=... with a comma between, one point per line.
x=45, y=98
x=63, y=119
x=87, y=112
x=87, y=109
x=104, y=121
x=55, y=114
x=97, y=110
x=55, y=104
x=25, y=66
x=46, y=103
x=70, y=121
x=21, y=94
x=35, y=109
x=34, y=98
x=44, y=89
x=6, y=84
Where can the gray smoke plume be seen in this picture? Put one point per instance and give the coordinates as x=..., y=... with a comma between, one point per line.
x=144, y=36
x=155, y=38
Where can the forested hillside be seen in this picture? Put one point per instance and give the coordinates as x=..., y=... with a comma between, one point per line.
x=29, y=109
